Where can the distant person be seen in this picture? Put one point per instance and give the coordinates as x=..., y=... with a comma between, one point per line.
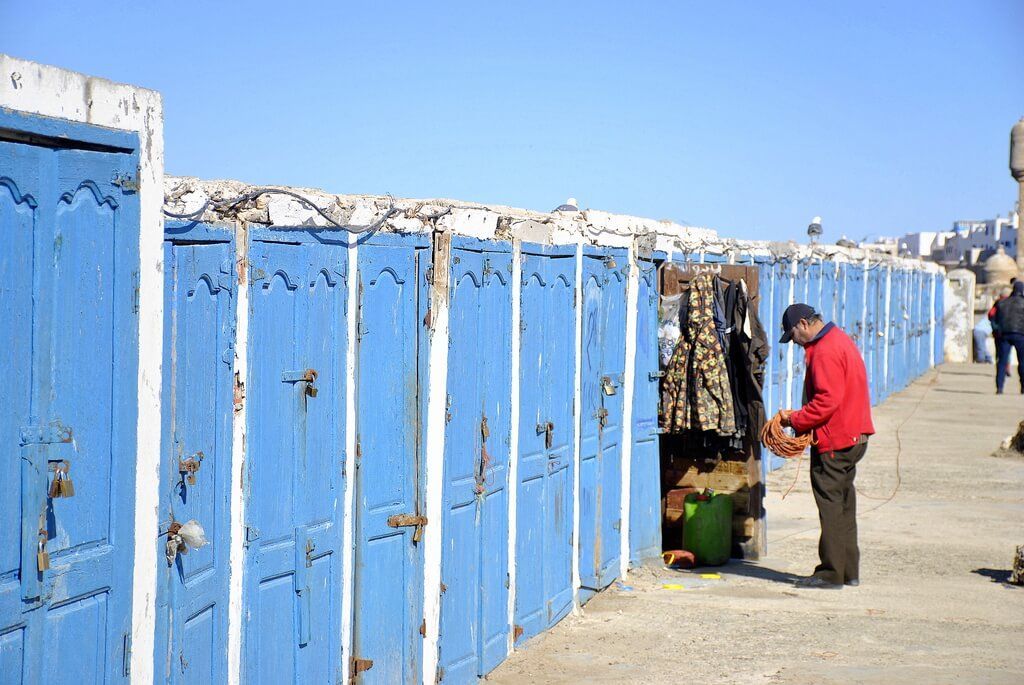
x=1010, y=322
x=982, y=331
x=1003, y=294
x=838, y=409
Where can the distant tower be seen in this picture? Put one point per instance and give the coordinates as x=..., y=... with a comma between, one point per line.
x=1017, y=171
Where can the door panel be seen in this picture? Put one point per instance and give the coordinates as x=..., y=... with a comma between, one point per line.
x=474, y=618
x=295, y=459
x=72, y=376
x=645, y=471
x=602, y=367
x=389, y=564
x=544, y=500
x=197, y=407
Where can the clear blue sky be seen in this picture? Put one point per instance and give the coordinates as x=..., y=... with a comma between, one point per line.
x=749, y=117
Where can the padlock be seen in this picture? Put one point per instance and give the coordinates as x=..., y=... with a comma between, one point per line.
x=67, y=487
x=54, y=491
x=191, y=478
x=42, y=556
x=485, y=432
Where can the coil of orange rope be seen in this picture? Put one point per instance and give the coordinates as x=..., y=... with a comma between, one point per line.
x=775, y=438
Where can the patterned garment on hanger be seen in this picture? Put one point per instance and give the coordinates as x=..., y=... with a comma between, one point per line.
x=697, y=395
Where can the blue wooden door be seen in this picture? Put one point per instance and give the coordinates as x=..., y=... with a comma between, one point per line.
x=199, y=325
x=391, y=368
x=68, y=278
x=780, y=352
x=602, y=361
x=474, y=605
x=546, y=428
x=645, y=469
x=295, y=458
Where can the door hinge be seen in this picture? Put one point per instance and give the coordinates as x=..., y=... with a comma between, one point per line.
x=440, y=674
x=252, y=534
x=423, y=628
x=126, y=660
x=517, y=632
x=508, y=580
x=357, y=666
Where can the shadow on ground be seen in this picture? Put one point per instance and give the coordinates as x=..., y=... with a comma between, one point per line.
x=996, y=576
x=748, y=569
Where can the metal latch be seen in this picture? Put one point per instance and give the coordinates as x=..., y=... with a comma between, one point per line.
x=548, y=429
x=409, y=520
x=608, y=386
x=308, y=377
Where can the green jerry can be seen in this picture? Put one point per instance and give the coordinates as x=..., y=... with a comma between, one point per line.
x=707, y=531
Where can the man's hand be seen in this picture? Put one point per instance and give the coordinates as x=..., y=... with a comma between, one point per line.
x=784, y=415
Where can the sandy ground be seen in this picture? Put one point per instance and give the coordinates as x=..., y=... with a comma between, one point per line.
x=932, y=607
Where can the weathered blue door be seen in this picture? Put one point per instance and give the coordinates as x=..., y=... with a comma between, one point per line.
x=474, y=560
x=195, y=471
x=780, y=352
x=392, y=354
x=547, y=435
x=602, y=364
x=295, y=456
x=645, y=468
x=68, y=278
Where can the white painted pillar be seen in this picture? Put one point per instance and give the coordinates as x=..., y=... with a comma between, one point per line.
x=577, y=412
x=628, y=383
x=888, y=332
x=437, y=393
x=931, y=321
x=864, y=310
x=348, y=501
x=236, y=521
x=513, y=451
x=791, y=298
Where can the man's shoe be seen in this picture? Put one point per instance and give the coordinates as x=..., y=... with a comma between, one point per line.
x=817, y=583
x=853, y=582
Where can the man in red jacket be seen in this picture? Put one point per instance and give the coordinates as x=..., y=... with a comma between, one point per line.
x=837, y=408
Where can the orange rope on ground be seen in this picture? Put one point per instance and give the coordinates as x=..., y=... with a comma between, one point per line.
x=775, y=438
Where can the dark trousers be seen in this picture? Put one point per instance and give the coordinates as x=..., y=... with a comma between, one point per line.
x=832, y=475
x=1008, y=341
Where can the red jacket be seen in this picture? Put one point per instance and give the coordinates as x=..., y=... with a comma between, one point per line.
x=839, y=406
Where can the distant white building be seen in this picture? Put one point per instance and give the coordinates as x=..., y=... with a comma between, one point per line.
x=969, y=243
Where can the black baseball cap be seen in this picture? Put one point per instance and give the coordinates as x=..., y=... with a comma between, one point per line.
x=791, y=317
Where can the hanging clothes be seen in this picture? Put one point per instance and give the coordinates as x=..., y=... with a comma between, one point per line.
x=749, y=352
x=697, y=395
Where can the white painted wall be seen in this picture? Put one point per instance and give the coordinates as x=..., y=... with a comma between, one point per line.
x=628, y=383
x=236, y=553
x=50, y=91
x=437, y=395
